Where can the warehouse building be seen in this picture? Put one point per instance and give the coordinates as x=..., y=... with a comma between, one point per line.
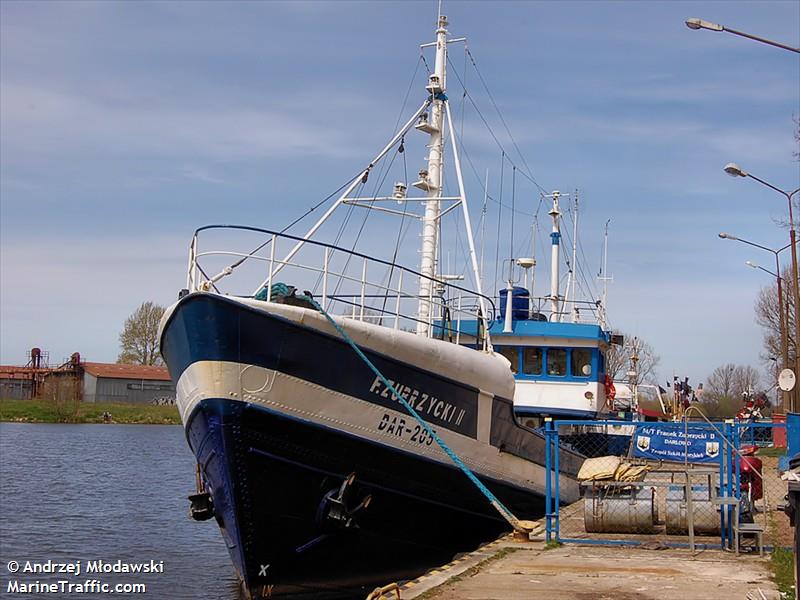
x=103, y=382
x=90, y=381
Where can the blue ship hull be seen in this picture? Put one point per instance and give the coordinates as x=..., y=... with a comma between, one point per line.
x=275, y=478
x=269, y=477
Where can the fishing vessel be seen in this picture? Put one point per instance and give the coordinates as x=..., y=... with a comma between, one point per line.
x=352, y=420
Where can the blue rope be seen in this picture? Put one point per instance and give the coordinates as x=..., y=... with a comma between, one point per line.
x=504, y=512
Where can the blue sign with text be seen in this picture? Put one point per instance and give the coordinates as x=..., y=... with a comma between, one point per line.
x=674, y=442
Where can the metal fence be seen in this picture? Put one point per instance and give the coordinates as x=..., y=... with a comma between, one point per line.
x=689, y=483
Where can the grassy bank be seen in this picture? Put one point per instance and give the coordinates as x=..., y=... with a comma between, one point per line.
x=43, y=411
x=782, y=566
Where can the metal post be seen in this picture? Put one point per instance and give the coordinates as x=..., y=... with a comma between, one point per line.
x=785, y=398
x=689, y=509
x=363, y=284
x=271, y=267
x=548, y=430
x=557, y=493
x=458, y=320
x=737, y=443
x=325, y=278
x=721, y=491
x=397, y=301
x=729, y=476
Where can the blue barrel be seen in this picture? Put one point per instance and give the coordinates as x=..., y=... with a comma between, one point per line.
x=520, y=300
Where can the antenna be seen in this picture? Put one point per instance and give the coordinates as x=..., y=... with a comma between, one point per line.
x=602, y=276
x=573, y=275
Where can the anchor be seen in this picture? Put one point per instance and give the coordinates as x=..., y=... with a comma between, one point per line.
x=202, y=505
x=334, y=514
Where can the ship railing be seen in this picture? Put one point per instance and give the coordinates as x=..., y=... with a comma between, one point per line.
x=345, y=282
x=570, y=311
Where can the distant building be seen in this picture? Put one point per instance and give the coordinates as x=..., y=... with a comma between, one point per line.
x=140, y=384
x=92, y=381
x=16, y=383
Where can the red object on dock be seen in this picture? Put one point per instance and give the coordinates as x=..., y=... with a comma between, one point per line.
x=779, y=433
x=750, y=476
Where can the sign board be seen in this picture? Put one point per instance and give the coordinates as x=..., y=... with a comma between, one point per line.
x=786, y=380
x=669, y=441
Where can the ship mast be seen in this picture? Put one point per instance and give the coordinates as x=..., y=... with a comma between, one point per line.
x=555, y=239
x=430, y=180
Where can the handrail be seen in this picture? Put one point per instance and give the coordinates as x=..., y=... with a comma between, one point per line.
x=458, y=305
x=346, y=251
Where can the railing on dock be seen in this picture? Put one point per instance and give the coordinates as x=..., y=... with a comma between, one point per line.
x=345, y=282
x=688, y=483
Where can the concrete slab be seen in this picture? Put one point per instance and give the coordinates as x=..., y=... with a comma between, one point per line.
x=508, y=570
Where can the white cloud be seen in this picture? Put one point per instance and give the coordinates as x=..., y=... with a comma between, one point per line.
x=46, y=122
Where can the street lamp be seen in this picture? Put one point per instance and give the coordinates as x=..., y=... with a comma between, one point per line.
x=701, y=24
x=779, y=279
x=735, y=170
x=784, y=341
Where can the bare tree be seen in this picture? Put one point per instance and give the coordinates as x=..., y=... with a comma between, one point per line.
x=63, y=393
x=725, y=388
x=768, y=317
x=618, y=360
x=139, y=338
x=721, y=383
x=729, y=382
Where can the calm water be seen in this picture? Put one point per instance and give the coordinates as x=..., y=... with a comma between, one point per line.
x=86, y=492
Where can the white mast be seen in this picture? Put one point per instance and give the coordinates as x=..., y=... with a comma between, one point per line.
x=555, y=238
x=605, y=278
x=431, y=179
x=573, y=274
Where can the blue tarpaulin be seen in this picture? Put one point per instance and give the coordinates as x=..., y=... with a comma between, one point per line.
x=668, y=441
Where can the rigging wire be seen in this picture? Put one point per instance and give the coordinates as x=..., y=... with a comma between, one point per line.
x=500, y=114
x=499, y=219
x=378, y=184
x=400, y=234
x=513, y=203
x=492, y=133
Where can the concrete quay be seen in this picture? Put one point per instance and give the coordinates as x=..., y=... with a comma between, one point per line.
x=508, y=569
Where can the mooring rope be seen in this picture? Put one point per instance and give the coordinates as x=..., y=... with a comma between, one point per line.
x=493, y=500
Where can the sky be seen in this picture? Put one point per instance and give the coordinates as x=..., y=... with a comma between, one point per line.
x=126, y=125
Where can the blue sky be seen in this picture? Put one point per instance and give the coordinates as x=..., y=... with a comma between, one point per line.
x=126, y=125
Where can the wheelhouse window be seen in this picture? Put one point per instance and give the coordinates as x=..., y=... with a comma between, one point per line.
x=581, y=362
x=532, y=361
x=512, y=354
x=556, y=362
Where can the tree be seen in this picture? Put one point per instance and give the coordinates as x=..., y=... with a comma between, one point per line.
x=725, y=387
x=768, y=317
x=618, y=360
x=139, y=338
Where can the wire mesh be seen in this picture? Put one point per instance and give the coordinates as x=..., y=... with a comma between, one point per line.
x=659, y=484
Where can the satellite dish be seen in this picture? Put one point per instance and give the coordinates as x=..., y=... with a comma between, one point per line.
x=786, y=380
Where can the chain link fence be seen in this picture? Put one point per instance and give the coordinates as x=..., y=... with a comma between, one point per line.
x=691, y=483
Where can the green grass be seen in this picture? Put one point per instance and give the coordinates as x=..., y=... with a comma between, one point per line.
x=782, y=565
x=43, y=411
x=552, y=544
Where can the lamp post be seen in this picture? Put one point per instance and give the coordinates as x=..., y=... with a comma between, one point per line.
x=701, y=24
x=784, y=341
x=735, y=170
x=779, y=279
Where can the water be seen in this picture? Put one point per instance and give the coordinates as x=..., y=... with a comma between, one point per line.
x=86, y=492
